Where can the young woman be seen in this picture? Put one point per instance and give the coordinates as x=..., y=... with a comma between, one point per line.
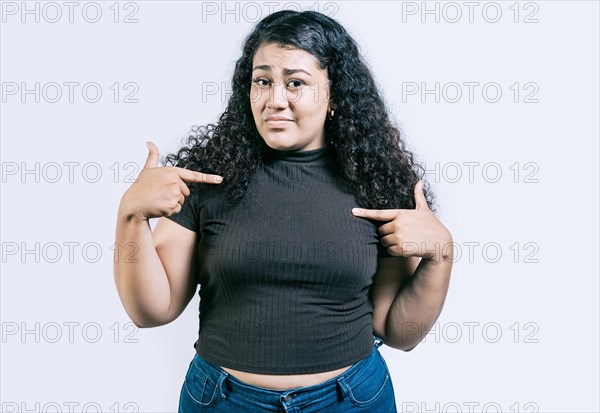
x=298, y=288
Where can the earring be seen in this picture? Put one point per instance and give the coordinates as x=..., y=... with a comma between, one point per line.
x=331, y=114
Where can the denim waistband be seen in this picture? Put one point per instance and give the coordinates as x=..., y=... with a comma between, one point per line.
x=297, y=396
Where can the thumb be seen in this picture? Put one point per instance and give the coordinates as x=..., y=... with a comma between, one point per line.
x=152, y=160
x=420, y=201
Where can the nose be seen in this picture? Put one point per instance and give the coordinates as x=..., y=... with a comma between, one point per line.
x=277, y=97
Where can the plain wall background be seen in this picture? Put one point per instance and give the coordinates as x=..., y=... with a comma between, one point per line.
x=516, y=176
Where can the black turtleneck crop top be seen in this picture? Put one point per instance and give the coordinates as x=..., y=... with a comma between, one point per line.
x=285, y=274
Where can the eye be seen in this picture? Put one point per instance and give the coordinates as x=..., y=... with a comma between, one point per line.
x=258, y=82
x=297, y=83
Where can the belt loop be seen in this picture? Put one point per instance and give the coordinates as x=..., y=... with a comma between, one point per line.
x=343, y=387
x=222, y=378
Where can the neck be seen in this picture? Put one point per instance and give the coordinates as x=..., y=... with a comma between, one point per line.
x=297, y=155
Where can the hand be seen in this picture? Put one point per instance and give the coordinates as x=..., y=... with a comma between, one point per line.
x=160, y=191
x=411, y=232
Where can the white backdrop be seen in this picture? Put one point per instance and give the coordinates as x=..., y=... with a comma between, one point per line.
x=499, y=100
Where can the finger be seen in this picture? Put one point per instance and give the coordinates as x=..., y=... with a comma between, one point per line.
x=177, y=209
x=420, y=201
x=386, y=229
x=193, y=176
x=388, y=240
x=378, y=214
x=184, y=189
x=152, y=160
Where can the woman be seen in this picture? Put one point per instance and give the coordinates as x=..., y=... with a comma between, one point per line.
x=298, y=289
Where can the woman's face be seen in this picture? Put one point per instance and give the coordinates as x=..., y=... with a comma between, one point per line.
x=289, y=98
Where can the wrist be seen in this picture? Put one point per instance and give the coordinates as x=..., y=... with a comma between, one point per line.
x=127, y=215
x=128, y=211
x=443, y=253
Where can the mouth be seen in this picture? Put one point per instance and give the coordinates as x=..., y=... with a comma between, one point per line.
x=277, y=121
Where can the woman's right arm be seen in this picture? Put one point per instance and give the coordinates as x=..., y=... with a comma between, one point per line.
x=155, y=270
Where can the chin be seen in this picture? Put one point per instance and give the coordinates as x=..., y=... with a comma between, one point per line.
x=280, y=142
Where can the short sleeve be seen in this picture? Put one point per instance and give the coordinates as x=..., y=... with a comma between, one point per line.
x=188, y=217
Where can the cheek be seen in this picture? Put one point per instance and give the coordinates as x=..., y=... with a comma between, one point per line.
x=255, y=106
x=312, y=105
x=316, y=112
x=254, y=94
x=257, y=97
x=296, y=97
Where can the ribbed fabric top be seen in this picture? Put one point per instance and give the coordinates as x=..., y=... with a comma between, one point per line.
x=284, y=274
x=306, y=156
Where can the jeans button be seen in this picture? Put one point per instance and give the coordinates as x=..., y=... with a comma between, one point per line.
x=287, y=398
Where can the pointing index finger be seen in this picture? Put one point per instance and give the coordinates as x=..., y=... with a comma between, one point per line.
x=193, y=176
x=378, y=214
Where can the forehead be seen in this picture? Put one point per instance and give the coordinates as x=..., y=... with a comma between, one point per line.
x=279, y=57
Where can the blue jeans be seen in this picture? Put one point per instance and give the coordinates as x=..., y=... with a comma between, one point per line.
x=364, y=387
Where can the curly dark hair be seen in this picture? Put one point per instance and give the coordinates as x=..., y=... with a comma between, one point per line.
x=369, y=150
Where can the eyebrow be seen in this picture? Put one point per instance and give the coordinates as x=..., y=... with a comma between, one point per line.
x=286, y=72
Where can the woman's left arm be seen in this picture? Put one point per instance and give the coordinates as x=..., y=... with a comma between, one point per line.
x=410, y=288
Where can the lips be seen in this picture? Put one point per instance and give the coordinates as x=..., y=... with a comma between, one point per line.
x=277, y=118
x=277, y=121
